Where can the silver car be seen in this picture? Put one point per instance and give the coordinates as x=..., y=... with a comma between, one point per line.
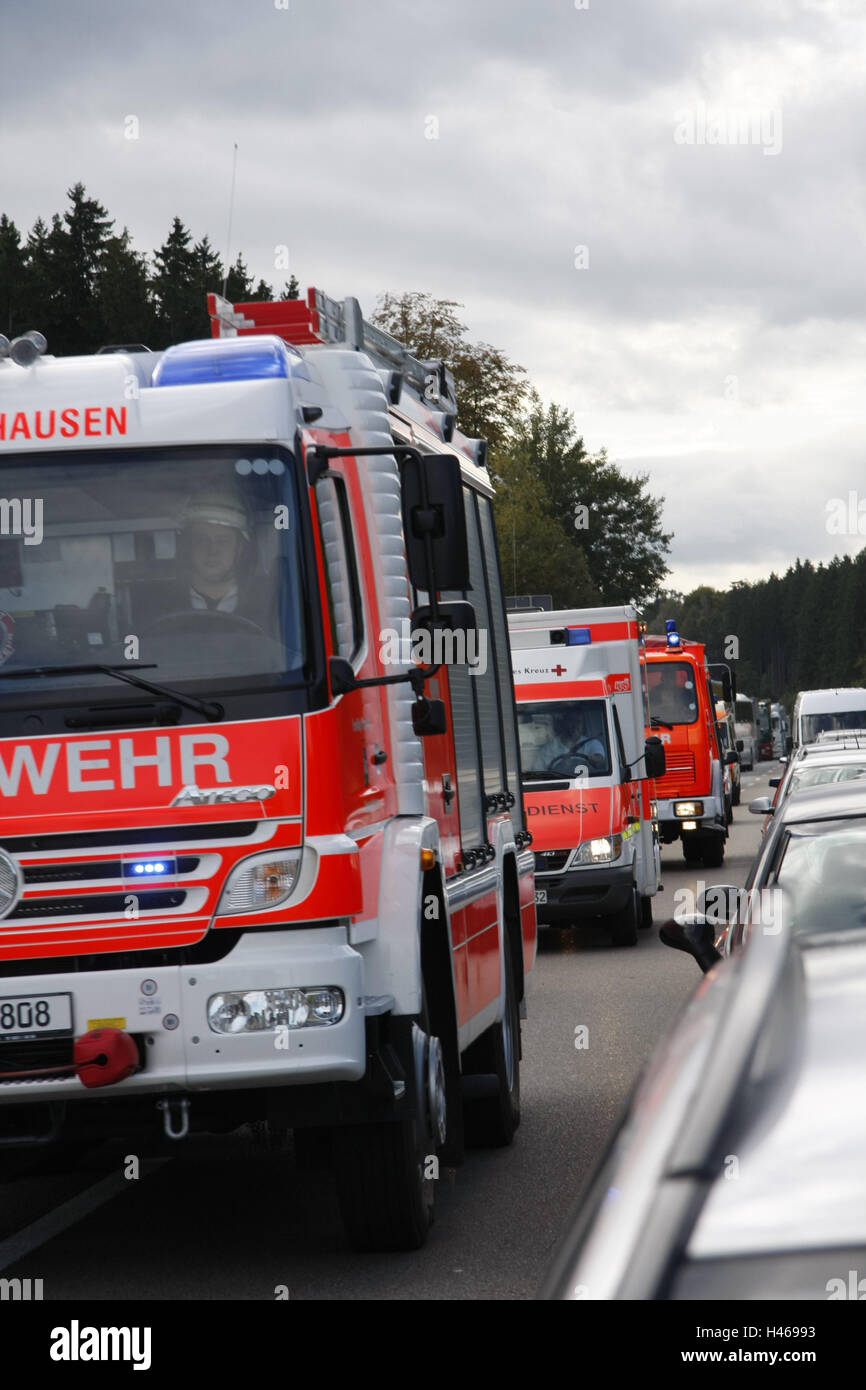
x=739, y=1168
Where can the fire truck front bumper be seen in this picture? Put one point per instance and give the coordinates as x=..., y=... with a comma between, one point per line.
x=582, y=893
x=281, y=1008
x=690, y=815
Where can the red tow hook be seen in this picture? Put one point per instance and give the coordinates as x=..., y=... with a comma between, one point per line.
x=102, y=1057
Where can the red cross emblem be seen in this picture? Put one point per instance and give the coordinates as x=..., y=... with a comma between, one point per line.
x=558, y=670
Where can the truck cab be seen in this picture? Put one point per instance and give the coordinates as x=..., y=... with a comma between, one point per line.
x=690, y=795
x=587, y=775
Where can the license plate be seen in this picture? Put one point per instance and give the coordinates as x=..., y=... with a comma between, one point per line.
x=540, y=896
x=35, y=1015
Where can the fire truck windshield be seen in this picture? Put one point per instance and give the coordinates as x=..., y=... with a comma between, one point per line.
x=563, y=738
x=673, y=696
x=185, y=560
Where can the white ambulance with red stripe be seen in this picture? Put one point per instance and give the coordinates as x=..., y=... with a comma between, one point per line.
x=262, y=848
x=587, y=768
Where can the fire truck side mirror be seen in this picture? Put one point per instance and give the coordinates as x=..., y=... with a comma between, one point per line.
x=434, y=523
x=655, y=756
x=451, y=617
x=428, y=717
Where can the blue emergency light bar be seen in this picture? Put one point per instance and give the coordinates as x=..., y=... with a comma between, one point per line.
x=672, y=634
x=578, y=636
x=256, y=358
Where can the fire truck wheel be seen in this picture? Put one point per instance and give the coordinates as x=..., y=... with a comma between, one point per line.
x=692, y=850
x=735, y=795
x=490, y=1121
x=624, y=924
x=646, y=912
x=713, y=852
x=385, y=1172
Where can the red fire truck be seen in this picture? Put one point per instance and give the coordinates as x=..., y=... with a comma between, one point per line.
x=587, y=767
x=691, y=794
x=262, y=848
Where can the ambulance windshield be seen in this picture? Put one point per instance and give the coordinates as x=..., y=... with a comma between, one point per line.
x=185, y=561
x=673, y=696
x=563, y=738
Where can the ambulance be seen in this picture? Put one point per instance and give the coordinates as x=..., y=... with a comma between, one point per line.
x=262, y=850
x=691, y=794
x=587, y=767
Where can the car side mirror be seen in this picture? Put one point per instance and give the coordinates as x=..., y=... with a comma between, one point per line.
x=694, y=935
x=761, y=806
x=740, y=745
x=775, y=781
x=654, y=756
x=731, y=757
x=720, y=903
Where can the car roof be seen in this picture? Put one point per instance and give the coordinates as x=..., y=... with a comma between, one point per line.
x=801, y=1177
x=827, y=802
x=824, y=755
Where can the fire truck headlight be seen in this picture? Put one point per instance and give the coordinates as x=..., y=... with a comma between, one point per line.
x=268, y=1010
x=688, y=808
x=600, y=851
x=263, y=881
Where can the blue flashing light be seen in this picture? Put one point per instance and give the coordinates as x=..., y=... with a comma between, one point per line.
x=151, y=866
x=578, y=636
x=672, y=634
x=257, y=358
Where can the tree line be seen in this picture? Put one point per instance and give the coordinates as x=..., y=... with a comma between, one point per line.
x=802, y=630
x=83, y=284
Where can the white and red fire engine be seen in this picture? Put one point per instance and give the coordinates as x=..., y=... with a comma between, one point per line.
x=257, y=862
x=587, y=768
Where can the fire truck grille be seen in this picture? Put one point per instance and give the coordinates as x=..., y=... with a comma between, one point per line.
x=37, y=874
x=679, y=768
x=550, y=861
x=96, y=904
x=135, y=840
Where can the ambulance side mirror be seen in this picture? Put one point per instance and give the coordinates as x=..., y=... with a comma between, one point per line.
x=434, y=522
x=654, y=755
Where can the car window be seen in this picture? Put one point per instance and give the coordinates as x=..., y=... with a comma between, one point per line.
x=823, y=868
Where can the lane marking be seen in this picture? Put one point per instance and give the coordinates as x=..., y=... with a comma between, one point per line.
x=69, y=1213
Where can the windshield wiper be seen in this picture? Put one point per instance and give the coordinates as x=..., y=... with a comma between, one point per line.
x=209, y=708
x=656, y=723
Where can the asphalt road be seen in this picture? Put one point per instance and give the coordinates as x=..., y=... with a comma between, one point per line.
x=226, y=1219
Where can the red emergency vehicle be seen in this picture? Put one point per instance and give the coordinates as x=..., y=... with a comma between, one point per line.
x=262, y=848
x=587, y=768
x=691, y=794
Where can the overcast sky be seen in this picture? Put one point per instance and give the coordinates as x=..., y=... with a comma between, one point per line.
x=655, y=206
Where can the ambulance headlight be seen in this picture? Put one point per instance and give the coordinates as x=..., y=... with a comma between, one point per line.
x=261, y=882
x=602, y=850
x=688, y=808
x=269, y=1010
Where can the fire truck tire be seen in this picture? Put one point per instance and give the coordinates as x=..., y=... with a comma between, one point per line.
x=692, y=850
x=713, y=851
x=624, y=924
x=646, y=912
x=735, y=796
x=385, y=1199
x=490, y=1121
x=385, y=1173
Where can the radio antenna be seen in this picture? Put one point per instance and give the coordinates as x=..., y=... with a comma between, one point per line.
x=231, y=214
